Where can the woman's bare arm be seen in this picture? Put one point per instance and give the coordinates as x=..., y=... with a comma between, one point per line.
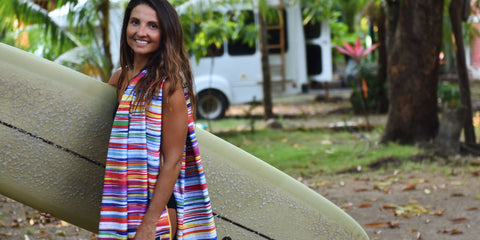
x=174, y=134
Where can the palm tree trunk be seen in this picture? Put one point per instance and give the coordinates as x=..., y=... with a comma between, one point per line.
x=267, y=78
x=456, y=10
x=105, y=26
x=382, y=98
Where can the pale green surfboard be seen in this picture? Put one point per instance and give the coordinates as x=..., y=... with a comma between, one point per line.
x=54, y=131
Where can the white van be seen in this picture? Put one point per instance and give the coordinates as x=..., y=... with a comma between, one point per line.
x=234, y=74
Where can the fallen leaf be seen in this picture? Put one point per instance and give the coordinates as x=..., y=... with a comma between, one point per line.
x=471, y=209
x=455, y=231
x=399, y=212
x=346, y=206
x=393, y=224
x=364, y=205
x=412, y=230
x=458, y=195
x=412, y=202
x=475, y=174
x=42, y=234
x=376, y=224
x=15, y=224
x=361, y=189
x=439, y=212
x=477, y=197
x=419, y=236
x=459, y=220
x=384, y=190
x=421, y=180
x=386, y=206
x=452, y=232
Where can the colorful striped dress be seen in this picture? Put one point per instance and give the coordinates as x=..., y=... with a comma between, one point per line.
x=132, y=169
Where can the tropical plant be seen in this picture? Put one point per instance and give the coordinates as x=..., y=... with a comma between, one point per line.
x=71, y=40
x=449, y=94
x=26, y=25
x=356, y=52
x=364, y=77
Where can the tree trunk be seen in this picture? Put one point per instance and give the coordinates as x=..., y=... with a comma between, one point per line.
x=105, y=26
x=267, y=79
x=456, y=11
x=391, y=21
x=382, y=98
x=413, y=72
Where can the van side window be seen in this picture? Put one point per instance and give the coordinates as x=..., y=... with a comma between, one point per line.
x=312, y=30
x=314, y=59
x=240, y=46
x=272, y=19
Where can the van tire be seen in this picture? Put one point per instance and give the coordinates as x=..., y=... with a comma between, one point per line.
x=211, y=104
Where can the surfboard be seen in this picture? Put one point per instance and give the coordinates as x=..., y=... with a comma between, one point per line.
x=54, y=131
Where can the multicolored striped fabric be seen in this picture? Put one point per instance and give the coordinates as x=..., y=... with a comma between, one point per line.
x=132, y=169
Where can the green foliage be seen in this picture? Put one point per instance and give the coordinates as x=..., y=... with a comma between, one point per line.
x=32, y=29
x=204, y=27
x=340, y=33
x=449, y=94
x=29, y=27
x=368, y=72
x=315, y=152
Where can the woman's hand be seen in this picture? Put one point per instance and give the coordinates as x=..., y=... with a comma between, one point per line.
x=145, y=231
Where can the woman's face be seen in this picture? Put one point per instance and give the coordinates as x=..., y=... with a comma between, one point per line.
x=143, y=31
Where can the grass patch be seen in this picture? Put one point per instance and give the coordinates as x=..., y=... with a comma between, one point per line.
x=302, y=153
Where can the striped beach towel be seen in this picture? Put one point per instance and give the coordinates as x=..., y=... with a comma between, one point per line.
x=132, y=168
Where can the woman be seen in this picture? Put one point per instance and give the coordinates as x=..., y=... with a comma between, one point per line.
x=152, y=140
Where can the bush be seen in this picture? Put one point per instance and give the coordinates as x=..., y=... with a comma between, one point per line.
x=368, y=72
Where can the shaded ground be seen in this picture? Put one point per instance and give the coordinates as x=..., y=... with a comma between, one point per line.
x=416, y=205
x=394, y=206
x=432, y=204
x=18, y=221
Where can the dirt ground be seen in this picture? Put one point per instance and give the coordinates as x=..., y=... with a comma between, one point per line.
x=393, y=205
x=403, y=206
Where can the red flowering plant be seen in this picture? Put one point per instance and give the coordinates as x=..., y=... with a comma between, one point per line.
x=364, y=74
x=357, y=52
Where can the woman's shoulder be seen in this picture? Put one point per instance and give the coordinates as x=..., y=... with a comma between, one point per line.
x=115, y=78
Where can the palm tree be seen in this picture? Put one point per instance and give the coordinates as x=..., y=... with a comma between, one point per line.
x=25, y=20
x=72, y=40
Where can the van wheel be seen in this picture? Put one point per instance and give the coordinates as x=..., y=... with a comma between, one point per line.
x=211, y=104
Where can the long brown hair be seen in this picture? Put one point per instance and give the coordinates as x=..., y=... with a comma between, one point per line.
x=169, y=61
